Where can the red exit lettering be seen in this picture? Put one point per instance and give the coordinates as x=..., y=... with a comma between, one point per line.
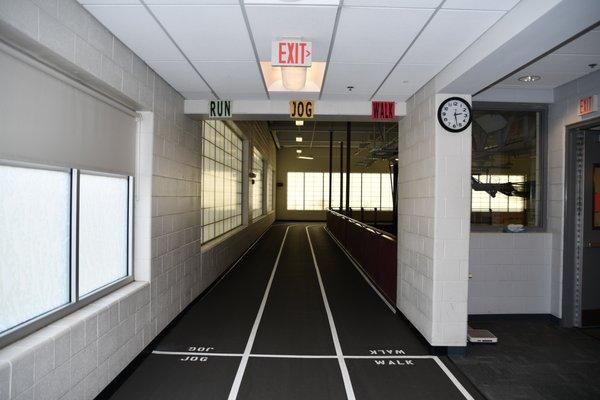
x=586, y=105
x=383, y=110
x=291, y=53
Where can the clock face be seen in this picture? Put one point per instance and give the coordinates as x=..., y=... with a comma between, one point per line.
x=454, y=114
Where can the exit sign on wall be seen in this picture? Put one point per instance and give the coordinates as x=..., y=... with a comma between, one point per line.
x=291, y=53
x=383, y=110
x=588, y=105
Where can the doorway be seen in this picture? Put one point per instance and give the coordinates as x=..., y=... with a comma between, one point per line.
x=581, y=287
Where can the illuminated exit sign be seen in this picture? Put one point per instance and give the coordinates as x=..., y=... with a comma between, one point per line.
x=291, y=53
x=383, y=110
x=588, y=105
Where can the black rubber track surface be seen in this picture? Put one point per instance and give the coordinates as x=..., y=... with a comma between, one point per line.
x=223, y=318
x=294, y=323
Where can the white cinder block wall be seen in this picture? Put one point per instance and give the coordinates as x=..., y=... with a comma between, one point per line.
x=433, y=229
x=76, y=357
x=510, y=273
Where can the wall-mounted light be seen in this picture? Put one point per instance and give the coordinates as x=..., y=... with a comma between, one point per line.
x=530, y=78
x=298, y=151
x=299, y=122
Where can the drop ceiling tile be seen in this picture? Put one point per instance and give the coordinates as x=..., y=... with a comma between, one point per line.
x=295, y=2
x=135, y=27
x=374, y=35
x=207, y=33
x=270, y=23
x=504, y=5
x=364, y=77
x=180, y=75
x=448, y=34
x=548, y=81
x=393, y=3
x=109, y=2
x=561, y=63
x=192, y=2
x=586, y=44
x=408, y=78
x=348, y=96
x=242, y=77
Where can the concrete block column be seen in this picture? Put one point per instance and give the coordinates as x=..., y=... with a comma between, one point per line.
x=434, y=221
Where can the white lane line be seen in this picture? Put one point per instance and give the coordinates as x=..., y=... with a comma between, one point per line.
x=451, y=376
x=360, y=270
x=316, y=356
x=336, y=342
x=192, y=353
x=242, y=367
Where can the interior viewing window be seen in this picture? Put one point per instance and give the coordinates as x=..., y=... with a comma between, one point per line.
x=310, y=191
x=506, y=168
x=269, y=189
x=221, y=180
x=40, y=279
x=257, y=188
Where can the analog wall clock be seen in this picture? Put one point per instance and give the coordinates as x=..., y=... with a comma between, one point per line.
x=454, y=114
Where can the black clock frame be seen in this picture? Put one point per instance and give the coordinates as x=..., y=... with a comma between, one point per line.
x=439, y=114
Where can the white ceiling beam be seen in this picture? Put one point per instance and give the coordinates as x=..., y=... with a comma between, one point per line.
x=279, y=109
x=515, y=41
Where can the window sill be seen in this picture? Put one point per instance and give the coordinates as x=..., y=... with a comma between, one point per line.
x=499, y=229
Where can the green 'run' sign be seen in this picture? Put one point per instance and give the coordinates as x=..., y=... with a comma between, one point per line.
x=219, y=109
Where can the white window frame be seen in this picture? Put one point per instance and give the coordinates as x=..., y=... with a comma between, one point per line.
x=75, y=300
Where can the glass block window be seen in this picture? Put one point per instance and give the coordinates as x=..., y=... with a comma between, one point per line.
x=221, y=179
x=257, y=187
x=269, y=189
x=295, y=191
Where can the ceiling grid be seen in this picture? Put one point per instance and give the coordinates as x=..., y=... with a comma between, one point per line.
x=384, y=49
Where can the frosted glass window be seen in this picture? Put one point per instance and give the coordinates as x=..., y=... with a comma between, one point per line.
x=103, y=231
x=221, y=180
x=355, y=190
x=35, y=243
x=310, y=191
x=295, y=191
x=335, y=190
x=386, y=192
x=313, y=191
x=371, y=191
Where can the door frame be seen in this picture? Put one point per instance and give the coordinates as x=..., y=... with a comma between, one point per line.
x=571, y=271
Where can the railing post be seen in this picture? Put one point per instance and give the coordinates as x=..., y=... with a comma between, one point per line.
x=375, y=217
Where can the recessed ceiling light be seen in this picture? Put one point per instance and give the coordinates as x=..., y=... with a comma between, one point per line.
x=298, y=151
x=299, y=122
x=530, y=78
x=298, y=138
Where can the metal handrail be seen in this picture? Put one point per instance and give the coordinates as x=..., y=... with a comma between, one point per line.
x=380, y=232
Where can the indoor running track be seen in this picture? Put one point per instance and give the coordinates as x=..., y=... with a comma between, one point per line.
x=294, y=319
